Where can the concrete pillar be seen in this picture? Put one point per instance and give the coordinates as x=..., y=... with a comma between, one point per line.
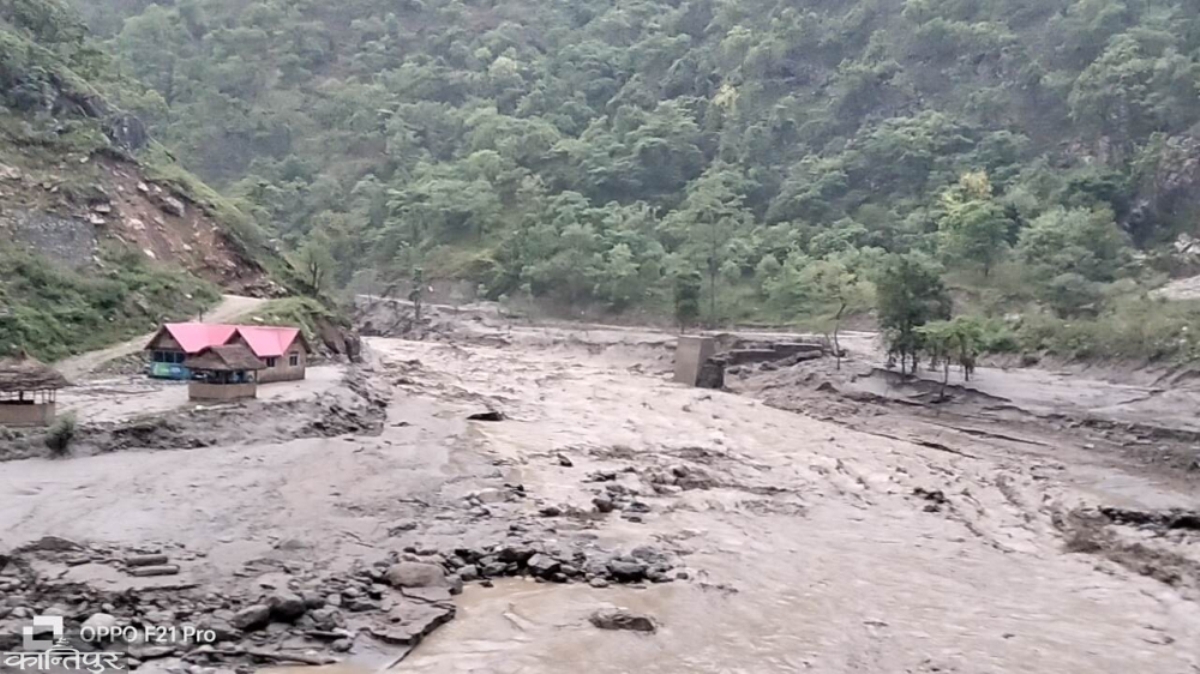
x=690, y=354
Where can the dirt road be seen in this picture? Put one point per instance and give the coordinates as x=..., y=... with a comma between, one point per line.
x=801, y=545
x=231, y=307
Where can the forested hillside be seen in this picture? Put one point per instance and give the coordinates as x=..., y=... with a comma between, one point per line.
x=1038, y=154
x=95, y=246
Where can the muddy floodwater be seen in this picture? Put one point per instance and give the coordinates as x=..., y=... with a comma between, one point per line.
x=799, y=543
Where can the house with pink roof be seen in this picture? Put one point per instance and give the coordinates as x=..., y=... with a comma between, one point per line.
x=282, y=350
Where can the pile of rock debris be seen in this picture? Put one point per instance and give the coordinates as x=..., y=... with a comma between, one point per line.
x=272, y=611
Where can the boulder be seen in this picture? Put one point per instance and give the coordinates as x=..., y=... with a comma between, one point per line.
x=151, y=652
x=620, y=619
x=510, y=554
x=312, y=600
x=415, y=574
x=252, y=617
x=98, y=621
x=286, y=606
x=327, y=618
x=53, y=544
x=172, y=206
x=430, y=595
x=543, y=565
x=627, y=571
x=342, y=646
x=222, y=629
x=361, y=604
x=649, y=554
x=411, y=621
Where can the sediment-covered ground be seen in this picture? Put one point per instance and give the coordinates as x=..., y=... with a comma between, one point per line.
x=558, y=475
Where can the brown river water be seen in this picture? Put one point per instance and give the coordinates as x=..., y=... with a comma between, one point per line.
x=807, y=552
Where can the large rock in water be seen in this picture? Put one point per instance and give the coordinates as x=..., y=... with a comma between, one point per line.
x=415, y=574
x=619, y=619
x=627, y=570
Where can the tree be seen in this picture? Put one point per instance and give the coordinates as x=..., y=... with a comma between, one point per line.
x=1079, y=241
x=974, y=227
x=154, y=47
x=1070, y=254
x=314, y=261
x=687, y=298
x=950, y=342
x=835, y=284
x=416, y=294
x=909, y=294
x=709, y=223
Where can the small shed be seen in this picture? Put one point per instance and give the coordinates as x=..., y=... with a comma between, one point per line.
x=28, y=391
x=226, y=372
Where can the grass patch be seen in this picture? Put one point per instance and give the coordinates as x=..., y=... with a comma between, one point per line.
x=297, y=312
x=53, y=312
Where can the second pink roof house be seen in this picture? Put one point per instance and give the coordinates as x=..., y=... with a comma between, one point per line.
x=283, y=351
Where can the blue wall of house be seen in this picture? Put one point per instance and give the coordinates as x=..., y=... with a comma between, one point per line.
x=168, y=365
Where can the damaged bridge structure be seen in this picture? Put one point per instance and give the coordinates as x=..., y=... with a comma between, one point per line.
x=703, y=361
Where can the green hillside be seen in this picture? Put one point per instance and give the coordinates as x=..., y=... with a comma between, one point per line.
x=588, y=152
x=96, y=246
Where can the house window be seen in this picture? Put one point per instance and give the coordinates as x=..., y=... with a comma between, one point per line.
x=272, y=361
x=294, y=359
x=169, y=357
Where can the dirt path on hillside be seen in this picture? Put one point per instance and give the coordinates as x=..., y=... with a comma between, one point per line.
x=231, y=307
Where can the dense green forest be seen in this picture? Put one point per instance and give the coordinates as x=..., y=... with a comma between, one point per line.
x=1036, y=156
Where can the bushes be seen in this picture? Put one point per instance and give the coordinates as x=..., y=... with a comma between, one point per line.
x=58, y=438
x=53, y=312
x=1132, y=328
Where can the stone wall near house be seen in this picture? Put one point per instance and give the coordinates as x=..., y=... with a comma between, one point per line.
x=198, y=390
x=30, y=415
